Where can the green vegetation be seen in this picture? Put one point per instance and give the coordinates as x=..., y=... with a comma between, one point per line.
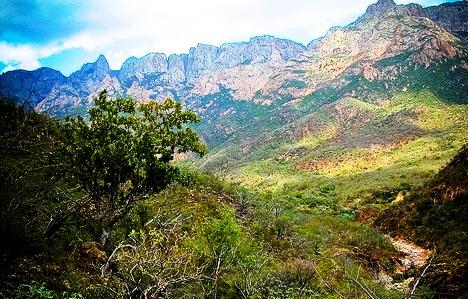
x=360, y=114
x=188, y=236
x=400, y=142
x=97, y=208
x=334, y=159
x=121, y=153
x=435, y=216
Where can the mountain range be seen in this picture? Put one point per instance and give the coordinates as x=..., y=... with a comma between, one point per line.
x=364, y=127
x=266, y=70
x=394, y=78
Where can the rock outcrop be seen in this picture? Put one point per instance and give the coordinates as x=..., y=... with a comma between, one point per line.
x=265, y=70
x=452, y=16
x=380, y=7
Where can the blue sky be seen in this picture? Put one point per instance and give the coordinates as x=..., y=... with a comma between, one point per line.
x=64, y=34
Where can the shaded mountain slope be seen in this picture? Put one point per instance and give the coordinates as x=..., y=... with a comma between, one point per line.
x=435, y=216
x=452, y=16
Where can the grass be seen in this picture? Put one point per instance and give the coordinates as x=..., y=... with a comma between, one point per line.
x=434, y=216
x=356, y=155
x=406, y=141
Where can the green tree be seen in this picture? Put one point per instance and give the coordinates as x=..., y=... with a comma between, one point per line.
x=123, y=152
x=231, y=261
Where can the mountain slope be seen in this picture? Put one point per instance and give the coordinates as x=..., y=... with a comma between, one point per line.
x=381, y=83
x=31, y=87
x=434, y=216
x=330, y=111
x=452, y=16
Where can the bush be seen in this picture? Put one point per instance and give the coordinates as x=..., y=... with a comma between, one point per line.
x=122, y=153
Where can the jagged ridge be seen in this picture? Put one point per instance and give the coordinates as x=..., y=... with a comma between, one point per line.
x=264, y=70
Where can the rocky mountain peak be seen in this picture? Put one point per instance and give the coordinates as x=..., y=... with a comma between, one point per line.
x=97, y=70
x=262, y=39
x=90, y=77
x=265, y=65
x=380, y=7
x=101, y=62
x=31, y=85
x=138, y=68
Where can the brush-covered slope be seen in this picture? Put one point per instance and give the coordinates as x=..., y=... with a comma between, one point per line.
x=361, y=103
x=388, y=110
x=435, y=216
x=355, y=146
x=197, y=238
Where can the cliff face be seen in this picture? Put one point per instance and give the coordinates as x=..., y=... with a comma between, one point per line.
x=30, y=86
x=380, y=7
x=266, y=70
x=135, y=69
x=452, y=16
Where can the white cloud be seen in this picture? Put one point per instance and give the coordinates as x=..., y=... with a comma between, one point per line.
x=135, y=29
x=24, y=56
x=120, y=28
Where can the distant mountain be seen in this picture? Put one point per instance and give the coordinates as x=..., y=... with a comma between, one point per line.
x=263, y=70
x=243, y=68
x=253, y=92
x=31, y=86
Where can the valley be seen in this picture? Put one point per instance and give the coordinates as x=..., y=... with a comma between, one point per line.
x=335, y=169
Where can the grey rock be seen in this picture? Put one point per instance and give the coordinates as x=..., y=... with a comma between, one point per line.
x=176, y=68
x=30, y=86
x=452, y=16
x=137, y=69
x=90, y=75
x=200, y=60
x=380, y=7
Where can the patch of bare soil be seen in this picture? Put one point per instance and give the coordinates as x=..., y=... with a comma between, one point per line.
x=413, y=257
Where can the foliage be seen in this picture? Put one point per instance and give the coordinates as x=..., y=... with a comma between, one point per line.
x=434, y=215
x=226, y=252
x=34, y=290
x=155, y=263
x=284, y=225
x=124, y=151
x=28, y=190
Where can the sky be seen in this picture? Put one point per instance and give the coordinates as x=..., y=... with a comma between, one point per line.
x=65, y=34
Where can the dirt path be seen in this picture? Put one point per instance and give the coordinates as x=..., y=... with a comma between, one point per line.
x=414, y=256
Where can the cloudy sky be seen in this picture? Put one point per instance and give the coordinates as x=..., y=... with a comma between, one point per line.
x=64, y=34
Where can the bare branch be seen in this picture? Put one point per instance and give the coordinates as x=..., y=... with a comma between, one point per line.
x=107, y=264
x=362, y=286
x=421, y=276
